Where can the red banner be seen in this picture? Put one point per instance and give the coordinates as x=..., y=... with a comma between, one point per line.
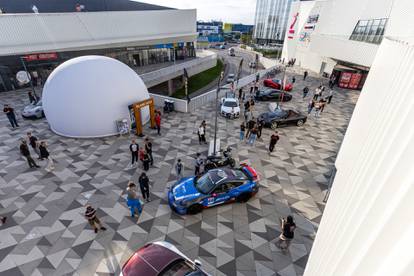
x=42, y=56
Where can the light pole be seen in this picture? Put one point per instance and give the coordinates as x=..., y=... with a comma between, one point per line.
x=215, y=122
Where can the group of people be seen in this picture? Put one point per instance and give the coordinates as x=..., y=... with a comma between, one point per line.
x=133, y=201
x=144, y=154
x=251, y=130
x=318, y=102
x=40, y=148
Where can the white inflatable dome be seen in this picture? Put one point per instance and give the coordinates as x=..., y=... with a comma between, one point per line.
x=85, y=96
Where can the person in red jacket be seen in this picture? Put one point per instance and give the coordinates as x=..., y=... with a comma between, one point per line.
x=158, y=122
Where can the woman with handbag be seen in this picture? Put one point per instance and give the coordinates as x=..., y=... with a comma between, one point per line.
x=288, y=227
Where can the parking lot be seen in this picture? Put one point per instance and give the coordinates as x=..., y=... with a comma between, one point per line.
x=46, y=233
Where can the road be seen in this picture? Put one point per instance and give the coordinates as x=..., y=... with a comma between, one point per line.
x=232, y=66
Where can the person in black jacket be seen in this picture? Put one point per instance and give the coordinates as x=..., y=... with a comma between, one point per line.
x=144, y=185
x=10, y=115
x=33, y=141
x=148, y=149
x=24, y=150
x=134, y=148
x=146, y=161
x=44, y=154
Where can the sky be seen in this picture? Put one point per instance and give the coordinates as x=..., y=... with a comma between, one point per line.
x=231, y=11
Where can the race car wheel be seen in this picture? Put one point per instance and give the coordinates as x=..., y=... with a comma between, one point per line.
x=299, y=123
x=194, y=209
x=274, y=125
x=244, y=197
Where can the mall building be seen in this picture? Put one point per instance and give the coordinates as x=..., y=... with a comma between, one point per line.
x=338, y=38
x=135, y=33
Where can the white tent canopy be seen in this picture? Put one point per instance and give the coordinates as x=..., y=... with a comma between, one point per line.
x=85, y=96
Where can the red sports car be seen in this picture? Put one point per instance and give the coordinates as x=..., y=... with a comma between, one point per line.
x=277, y=84
x=161, y=258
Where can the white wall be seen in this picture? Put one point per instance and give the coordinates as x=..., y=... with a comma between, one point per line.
x=367, y=226
x=27, y=33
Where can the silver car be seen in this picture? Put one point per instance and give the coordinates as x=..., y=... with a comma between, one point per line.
x=33, y=111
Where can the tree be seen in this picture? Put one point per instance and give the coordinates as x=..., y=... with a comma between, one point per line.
x=246, y=39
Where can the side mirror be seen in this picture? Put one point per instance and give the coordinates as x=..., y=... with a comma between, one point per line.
x=197, y=262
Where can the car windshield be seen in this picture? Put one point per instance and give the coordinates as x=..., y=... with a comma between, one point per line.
x=205, y=184
x=276, y=81
x=236, y=174
x=230, y=104
x=208, y=181
x=231, y=75
x=178, y=268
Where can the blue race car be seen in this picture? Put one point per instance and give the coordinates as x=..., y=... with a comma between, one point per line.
x=190, y=195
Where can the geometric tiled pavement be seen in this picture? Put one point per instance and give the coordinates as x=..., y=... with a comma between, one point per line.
x=46, y=233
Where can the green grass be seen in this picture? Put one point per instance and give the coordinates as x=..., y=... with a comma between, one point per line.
x=200, y=80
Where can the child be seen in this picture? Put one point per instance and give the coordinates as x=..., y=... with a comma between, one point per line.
x=90, y=215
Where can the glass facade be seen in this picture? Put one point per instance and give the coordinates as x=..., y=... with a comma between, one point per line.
x=370, y=31
x=271, y=20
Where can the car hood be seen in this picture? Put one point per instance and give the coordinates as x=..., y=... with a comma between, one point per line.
x=185, y=189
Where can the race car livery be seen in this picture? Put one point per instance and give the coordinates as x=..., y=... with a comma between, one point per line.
x=218, y=186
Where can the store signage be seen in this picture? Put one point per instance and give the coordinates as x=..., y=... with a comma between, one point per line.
x=41, y=56
x=292, y=26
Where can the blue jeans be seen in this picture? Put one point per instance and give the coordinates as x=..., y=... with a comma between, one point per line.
x=132, y=204
x=252, y=139
x=241, y=135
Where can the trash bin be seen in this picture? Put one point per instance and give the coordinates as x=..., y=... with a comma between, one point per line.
x=168, y=105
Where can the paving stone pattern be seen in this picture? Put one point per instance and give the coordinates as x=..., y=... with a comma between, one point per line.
x=46, y=233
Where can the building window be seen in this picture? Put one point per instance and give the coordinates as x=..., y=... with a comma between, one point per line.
x=370, y=31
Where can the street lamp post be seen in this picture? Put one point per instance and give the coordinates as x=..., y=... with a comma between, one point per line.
x=215, y=122
x=28, y=74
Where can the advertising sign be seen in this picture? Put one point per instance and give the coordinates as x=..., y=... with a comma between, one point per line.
x=354, y=81
x=344, y=79
x=41, y=56
x=292, y=26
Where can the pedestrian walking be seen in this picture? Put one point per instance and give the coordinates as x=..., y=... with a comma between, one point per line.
x=250, y=125
x=305, y=74
x=305, y=91
x=273, y=140
x=293, y=79
x=146, y=161
x=318, y=92
x=179, y=169
x=251, y=109
x=260, y=125
x=247, y=105
x=144, y=185
x=253, y=135
x=242, y=131
x=311, y=105
x=317, y=109
x=330, y=96
x=3, y=220
x=24, y=150
x=134, y=148
x=251, y=90
x=158, y=122
x=44, y=154
x=148, y=149
x=322, y=104
x=201, y=134
x=34, y=143
x=132, y=199
x=240, y=94
x=288, y=227
x=32, y=97
x=197, y=164
x=90, y=215
x=10, y=115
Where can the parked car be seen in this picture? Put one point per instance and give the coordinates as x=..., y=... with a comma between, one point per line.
x=217, y=186
x=230, y=108
x=222, y=47
x=33, y=111
x=275, y=95
x=280, y=117
x=230, y=78
x=277, y=84
x=252, y=64
x=161, y=258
